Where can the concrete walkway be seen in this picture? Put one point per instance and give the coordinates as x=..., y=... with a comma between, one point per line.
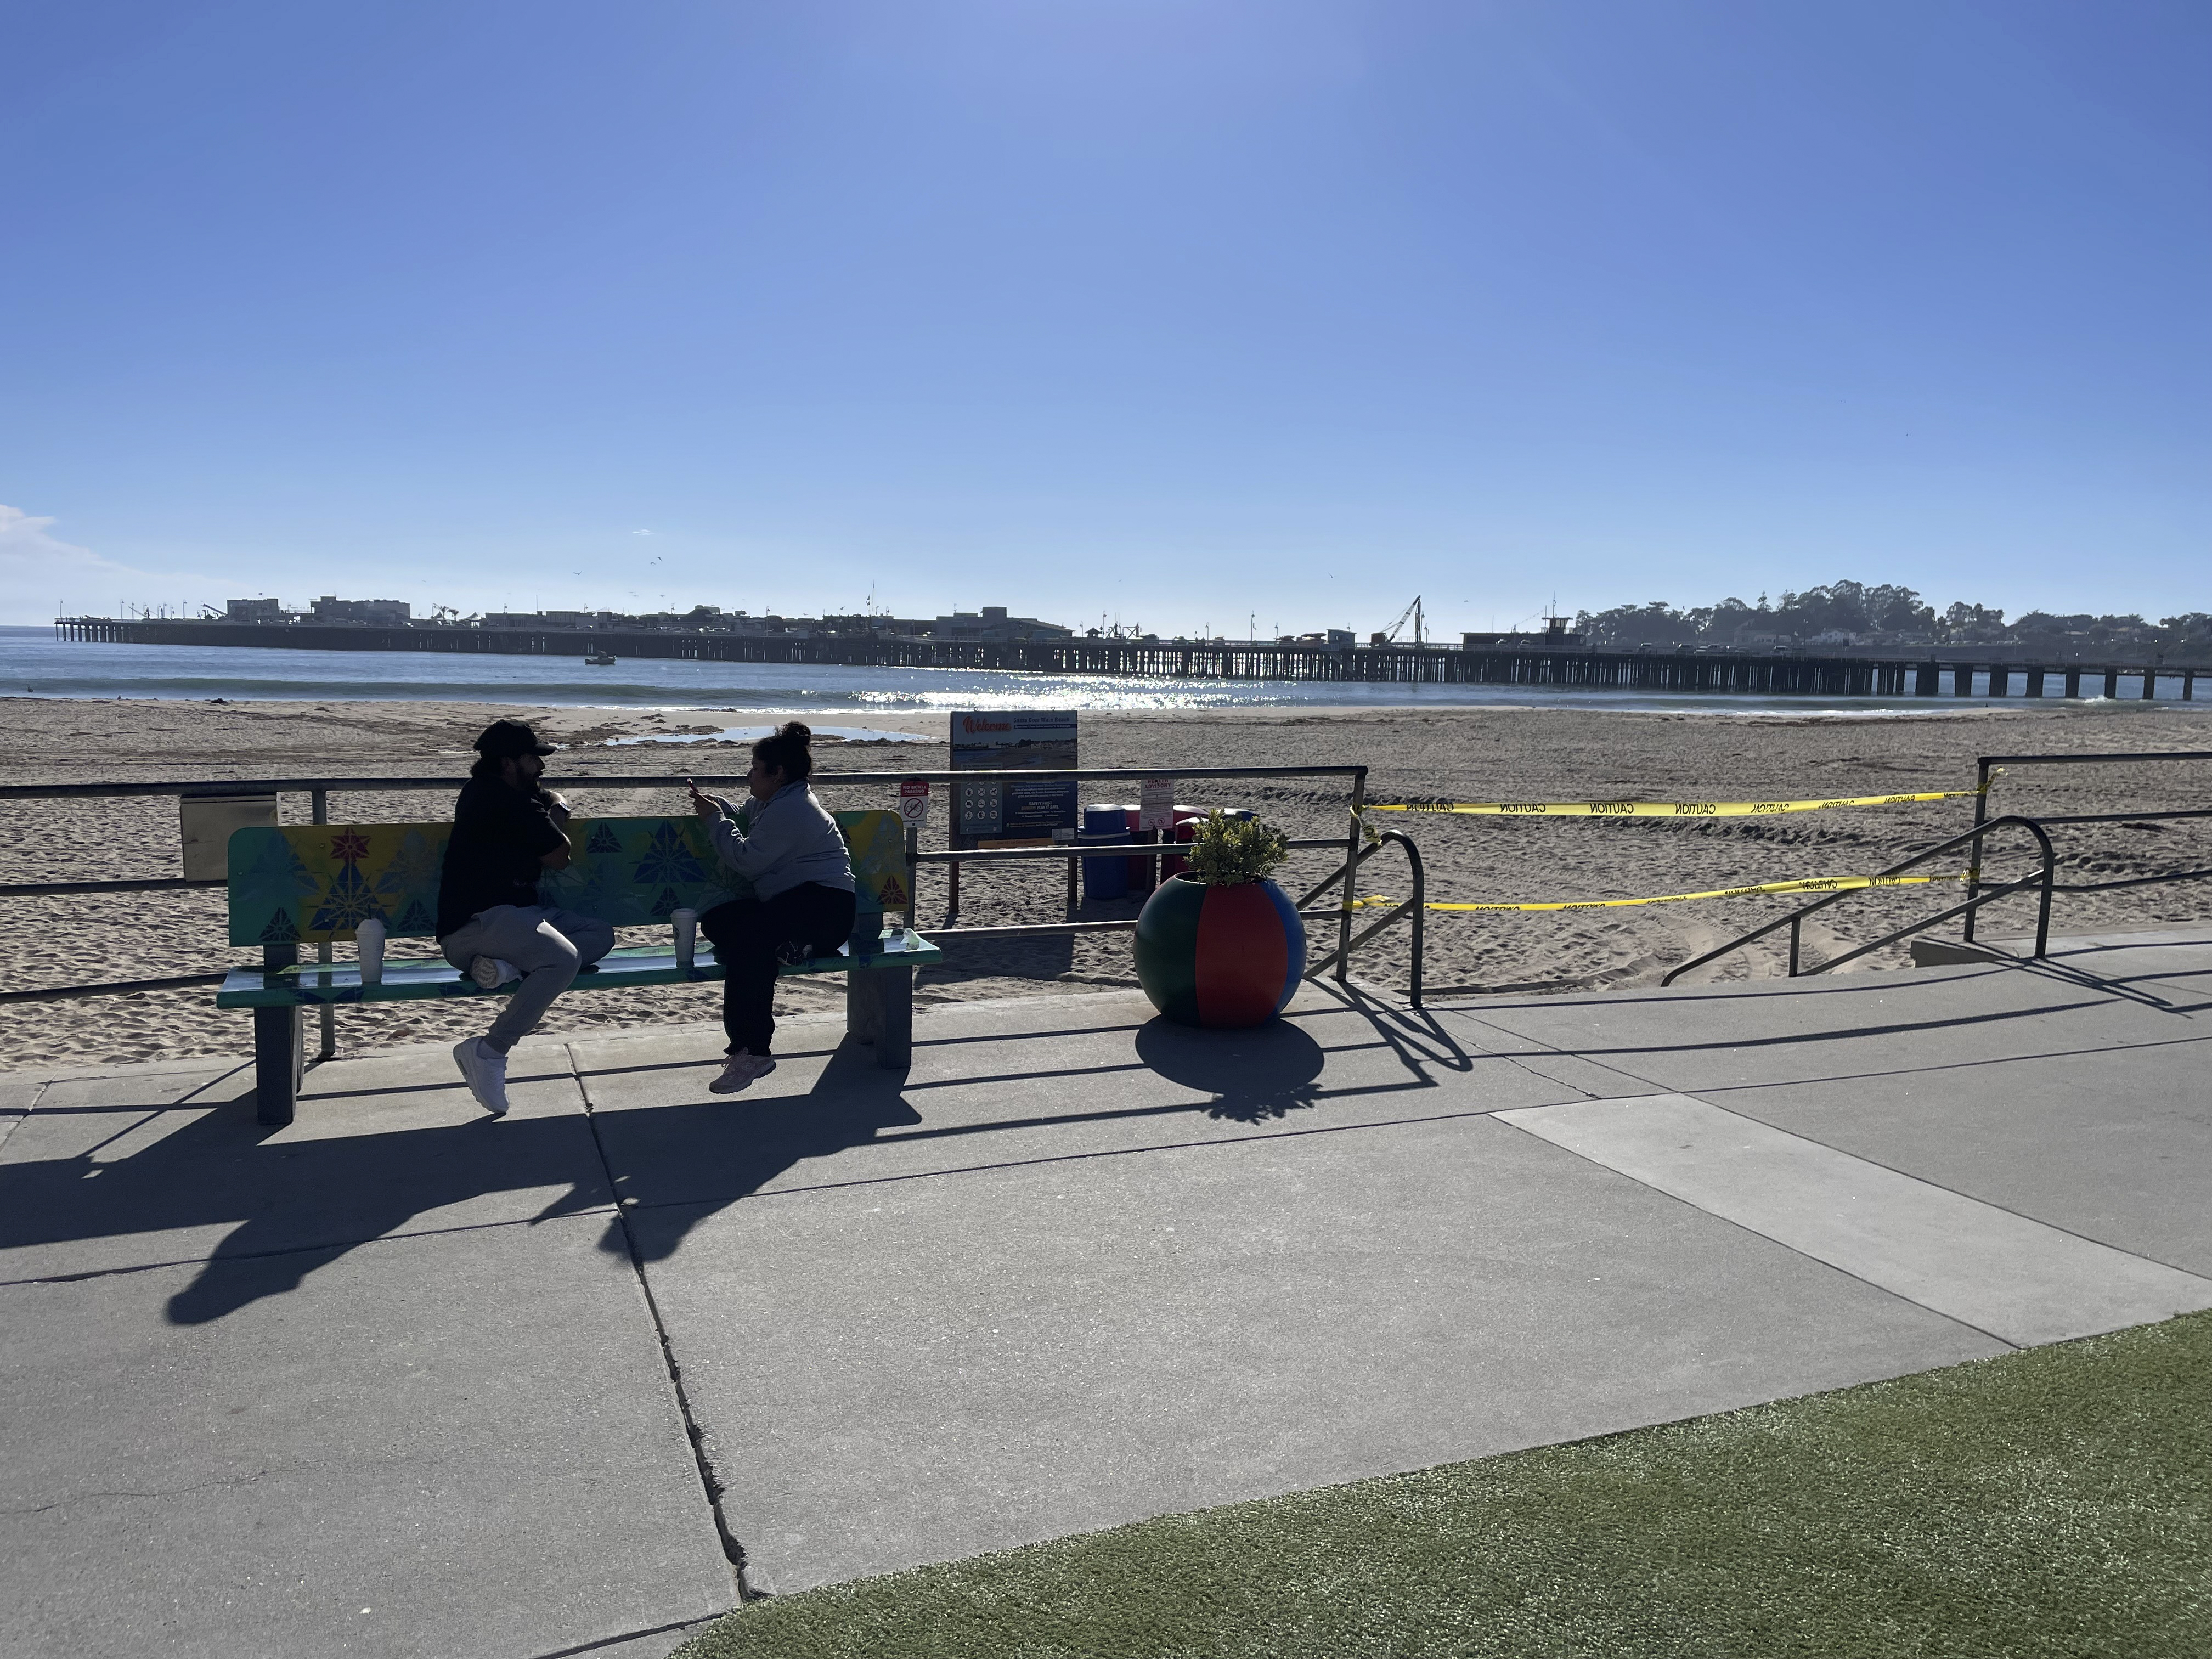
x=400, y=1379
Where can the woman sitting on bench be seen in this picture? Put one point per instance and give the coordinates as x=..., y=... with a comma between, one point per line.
x=787, y=846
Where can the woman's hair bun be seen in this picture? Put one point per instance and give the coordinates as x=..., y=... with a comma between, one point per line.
x=789, y=749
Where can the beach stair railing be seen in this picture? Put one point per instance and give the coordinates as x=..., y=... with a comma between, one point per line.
x=1980, y=893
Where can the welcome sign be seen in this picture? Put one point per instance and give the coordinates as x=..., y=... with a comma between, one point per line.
x=1005, y=810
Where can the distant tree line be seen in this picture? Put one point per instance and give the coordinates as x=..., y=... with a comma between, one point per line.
x=1846, y=613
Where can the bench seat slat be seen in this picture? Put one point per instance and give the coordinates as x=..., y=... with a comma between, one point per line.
x=407, y=979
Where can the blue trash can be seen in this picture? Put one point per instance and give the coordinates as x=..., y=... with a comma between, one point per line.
x=1104, y=878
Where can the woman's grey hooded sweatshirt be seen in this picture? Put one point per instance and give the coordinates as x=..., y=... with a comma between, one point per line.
x=778, y=844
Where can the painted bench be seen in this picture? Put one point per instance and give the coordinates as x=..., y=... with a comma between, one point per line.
x=302, y=884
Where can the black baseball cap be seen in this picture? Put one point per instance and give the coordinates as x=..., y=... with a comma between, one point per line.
x=509, y=740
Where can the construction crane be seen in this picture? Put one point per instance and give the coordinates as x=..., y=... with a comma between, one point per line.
x=1389, y=636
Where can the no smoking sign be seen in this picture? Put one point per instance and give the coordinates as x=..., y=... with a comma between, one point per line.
x=913, y=803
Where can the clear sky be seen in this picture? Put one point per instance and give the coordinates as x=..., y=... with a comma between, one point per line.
x=1172, y=311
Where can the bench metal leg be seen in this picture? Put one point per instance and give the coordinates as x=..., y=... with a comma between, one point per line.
x=880, y=1010
x=279, y=1059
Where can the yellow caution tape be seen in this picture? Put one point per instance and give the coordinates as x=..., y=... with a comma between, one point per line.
x=1810, y=885
x=1655, y=809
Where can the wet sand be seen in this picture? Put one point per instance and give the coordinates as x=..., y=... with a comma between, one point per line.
x=1546, y=752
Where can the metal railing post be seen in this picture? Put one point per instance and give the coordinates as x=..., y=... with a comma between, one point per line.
x=1974, y=857
x=2042, y=909
x=320, y=810
x=913, y=873
x=1792, y=947
x=1420, y=908
x=1351, y=870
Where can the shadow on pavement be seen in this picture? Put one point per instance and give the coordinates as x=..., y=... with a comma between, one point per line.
x=292, y=1203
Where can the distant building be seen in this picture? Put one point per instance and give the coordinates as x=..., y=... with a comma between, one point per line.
x=1555, y=637
x=253, y=611
x=380, y=613
x=991, y=625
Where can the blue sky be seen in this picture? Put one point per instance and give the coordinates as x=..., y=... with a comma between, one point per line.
x=1175, y=313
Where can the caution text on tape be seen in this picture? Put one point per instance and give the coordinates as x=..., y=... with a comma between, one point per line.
x=1808, y=884
x=1655, y=809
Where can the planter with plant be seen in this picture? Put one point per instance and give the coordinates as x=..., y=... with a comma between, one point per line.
x=1221, y=945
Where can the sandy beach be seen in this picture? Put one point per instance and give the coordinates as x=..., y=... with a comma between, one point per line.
x=1546, y=751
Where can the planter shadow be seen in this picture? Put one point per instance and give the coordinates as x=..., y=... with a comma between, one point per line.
x=1255, y=1075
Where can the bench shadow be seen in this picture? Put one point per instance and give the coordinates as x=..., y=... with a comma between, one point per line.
x=292, y=1205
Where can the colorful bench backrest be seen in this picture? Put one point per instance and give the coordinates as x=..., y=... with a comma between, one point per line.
x=319, y=882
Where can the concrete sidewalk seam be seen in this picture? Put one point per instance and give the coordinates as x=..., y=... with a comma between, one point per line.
x=1967, y=1065
x=1852, y=1033
x=306, y=1249
x=1698, y=1095
x=1526, y=1119
x=1552, y=1052
x=9, y=1119
x=1750, y=1231
x=46, y=1077
x=734, y=1549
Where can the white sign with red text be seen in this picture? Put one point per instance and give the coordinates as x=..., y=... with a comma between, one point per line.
x=1156, y=804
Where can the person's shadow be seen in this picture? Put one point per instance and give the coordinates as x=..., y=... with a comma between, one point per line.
x=294, y=1206
x=684, y=1163
x=1260, y=1073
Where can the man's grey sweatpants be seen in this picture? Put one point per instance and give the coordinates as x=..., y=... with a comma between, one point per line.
x=548, y=946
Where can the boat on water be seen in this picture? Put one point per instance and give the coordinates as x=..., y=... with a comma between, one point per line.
x=600, y=660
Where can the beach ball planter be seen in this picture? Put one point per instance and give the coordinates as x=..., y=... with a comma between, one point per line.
x=1220, y=954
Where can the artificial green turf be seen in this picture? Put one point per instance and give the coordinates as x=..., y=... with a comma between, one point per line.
x=2053, y=1502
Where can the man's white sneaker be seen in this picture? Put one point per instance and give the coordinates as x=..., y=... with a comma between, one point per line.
x=491, y=973
x=485, y=1068
x=743, y=1070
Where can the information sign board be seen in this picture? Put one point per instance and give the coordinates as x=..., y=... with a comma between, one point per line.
x=1013, y=809
x=1156, y=804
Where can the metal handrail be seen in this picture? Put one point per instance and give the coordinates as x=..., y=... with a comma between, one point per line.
x=1983, y=764
x=1416, y=907
x=1795, y=918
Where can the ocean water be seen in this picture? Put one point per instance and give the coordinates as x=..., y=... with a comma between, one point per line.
x=33, y=662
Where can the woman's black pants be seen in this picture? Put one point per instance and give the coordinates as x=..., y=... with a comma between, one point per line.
x=747, y=933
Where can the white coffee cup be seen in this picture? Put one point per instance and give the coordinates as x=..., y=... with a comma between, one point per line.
x=686, y=935
x=370, y=937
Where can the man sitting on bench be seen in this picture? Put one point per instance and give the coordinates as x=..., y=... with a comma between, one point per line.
x=506, y=827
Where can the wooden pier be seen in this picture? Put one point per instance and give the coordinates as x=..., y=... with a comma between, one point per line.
x=1942, y=675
